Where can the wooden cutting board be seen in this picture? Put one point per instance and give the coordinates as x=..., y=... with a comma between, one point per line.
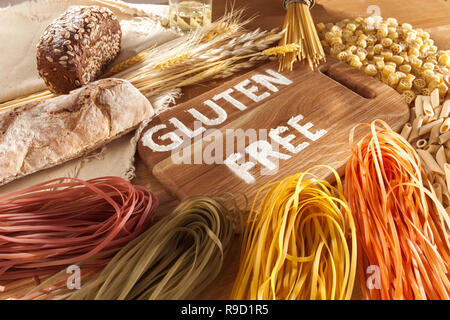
x=264, y=126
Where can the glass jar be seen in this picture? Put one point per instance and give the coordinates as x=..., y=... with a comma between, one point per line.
x=188, y=15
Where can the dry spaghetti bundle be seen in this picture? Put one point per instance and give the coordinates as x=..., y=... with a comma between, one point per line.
x=403, y=229
x=49, y=226
x=300, y=30
x=175, y=259
x=299, y=244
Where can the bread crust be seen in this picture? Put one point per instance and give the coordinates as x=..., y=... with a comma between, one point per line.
x=41, y=135
x=78, y=47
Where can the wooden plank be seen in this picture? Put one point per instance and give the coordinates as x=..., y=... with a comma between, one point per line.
x=301, y=104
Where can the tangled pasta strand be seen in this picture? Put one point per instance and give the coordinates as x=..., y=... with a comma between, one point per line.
x=300, y=243
x=175, y=259
x=46, y=227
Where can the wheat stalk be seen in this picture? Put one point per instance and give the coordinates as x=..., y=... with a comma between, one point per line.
x=238, y=67
x=196, y=63
x=43, y=95
x=211, y=70
x=124, y=65
x=173, y=61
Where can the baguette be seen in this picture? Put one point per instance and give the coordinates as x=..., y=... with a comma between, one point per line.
x=40, y=135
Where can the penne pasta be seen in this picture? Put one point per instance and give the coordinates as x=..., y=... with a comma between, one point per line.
x=430, y=130
x=426, y=128
x=438, y=190
x=443, y=138
x=434, y=135
x=432, y=148
x=406, y=131
x=441, y=158
x=445, y=197
x=435, y=98
x=445, y=112
x=426, y=98
x=437, y=112
x=417, y=123
x=429, y=162
x=426, y=119
x=433, y=117
x=447, y=176
x=427, y=108
x=440, y=179
x=418, y=106
x=445, y=126
x=412, y=114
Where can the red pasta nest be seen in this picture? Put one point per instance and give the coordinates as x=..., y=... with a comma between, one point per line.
x=49, y=226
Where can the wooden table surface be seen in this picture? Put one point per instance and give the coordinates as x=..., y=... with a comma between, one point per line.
x=431, y=15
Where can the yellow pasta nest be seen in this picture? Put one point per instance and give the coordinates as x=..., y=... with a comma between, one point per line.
x=299, y=243
x=401, y=56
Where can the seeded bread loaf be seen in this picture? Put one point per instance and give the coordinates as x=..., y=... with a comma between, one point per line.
x=43, y=134
x=77, y=48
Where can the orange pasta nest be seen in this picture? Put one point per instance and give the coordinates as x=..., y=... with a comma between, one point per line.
x=403, y=230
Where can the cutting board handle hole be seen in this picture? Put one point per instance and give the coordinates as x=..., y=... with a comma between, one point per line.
x=350, y=78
